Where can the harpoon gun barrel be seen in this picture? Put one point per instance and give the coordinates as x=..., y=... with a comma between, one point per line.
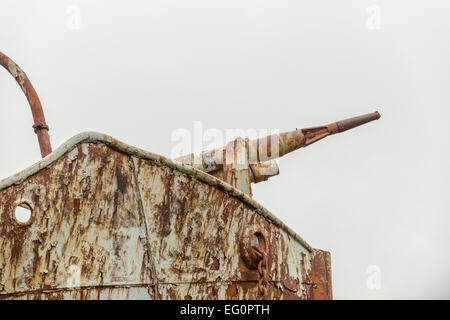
x=277, y=145
x=274, y=146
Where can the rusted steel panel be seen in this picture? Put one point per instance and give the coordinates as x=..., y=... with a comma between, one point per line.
x=140, y=226
x=195, y=230
x=85, y=216
x=321, y=275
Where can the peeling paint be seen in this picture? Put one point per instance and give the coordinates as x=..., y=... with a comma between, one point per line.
x=140, y=226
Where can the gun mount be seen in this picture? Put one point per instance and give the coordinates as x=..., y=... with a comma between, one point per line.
x=245, y=161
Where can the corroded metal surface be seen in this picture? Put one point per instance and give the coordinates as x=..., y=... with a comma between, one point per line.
x=110, y=221
x=40, y=126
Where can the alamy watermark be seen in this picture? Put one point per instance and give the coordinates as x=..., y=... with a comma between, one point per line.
x=373, y=281
x=373, y=21
x=199, y=139
x=73, y=17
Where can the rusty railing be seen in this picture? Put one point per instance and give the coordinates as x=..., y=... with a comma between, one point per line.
x=40, y=126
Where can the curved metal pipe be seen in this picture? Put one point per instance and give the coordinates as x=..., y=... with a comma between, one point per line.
x=40, y=126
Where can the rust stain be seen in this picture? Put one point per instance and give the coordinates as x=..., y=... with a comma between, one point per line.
x=321, y=276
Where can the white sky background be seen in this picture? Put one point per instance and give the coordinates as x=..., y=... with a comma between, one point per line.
x=138, y=70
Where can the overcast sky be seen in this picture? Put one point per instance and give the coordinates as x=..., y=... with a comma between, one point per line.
x=376, y=197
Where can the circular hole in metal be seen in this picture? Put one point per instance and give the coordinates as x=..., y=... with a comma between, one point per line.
x=255, y=241
x=23, y=214
x=258, y=240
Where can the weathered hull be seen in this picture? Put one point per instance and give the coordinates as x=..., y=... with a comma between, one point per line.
x=110, y=221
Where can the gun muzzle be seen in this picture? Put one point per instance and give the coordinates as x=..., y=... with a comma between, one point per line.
x=277, y=145
x=351, y=123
